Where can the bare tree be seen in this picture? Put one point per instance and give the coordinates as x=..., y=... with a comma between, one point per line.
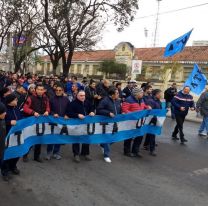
x=79, y=23
x=24, y=29
x=6, y=19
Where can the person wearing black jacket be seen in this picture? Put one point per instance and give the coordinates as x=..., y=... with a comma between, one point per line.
x=58, y=106
x=2, y=135
x=168, y=96
x=109, y=106
x=155, y=103
x=79, y=108
x=12, y=116
x=91, y=94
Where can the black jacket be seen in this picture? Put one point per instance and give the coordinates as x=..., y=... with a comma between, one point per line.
x=2, y=137
x=13, y=113
x=169, y=94
x=77, y=107
x=108, y=105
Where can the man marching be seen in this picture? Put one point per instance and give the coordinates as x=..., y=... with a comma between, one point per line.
x=181, y=103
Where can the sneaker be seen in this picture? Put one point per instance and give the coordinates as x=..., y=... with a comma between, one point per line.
x=183, y=140
x=88, y=158
x=137, y=155
x=5, y=178
x=128, y=154
x=25, y=159
x=38, y=160
x=202, y=134
x=107, y=159
x=57, y=156
x=15, y=171
x=153, y=154
x=77, y=159
x=175, y=138
x=48, y=156
x=146, y=148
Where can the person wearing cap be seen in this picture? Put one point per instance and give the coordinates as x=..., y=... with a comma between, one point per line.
x=127, y=90
x=13, y=114
x=155, y=103
x=181, y=102
x=36, y=105
x=2, y=134
x=134, y=103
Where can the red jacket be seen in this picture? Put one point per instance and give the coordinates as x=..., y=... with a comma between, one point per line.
x=36, y=104
x=132, y=105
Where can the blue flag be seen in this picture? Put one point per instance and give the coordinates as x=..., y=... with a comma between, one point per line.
x=196, y=80
x=177, y=45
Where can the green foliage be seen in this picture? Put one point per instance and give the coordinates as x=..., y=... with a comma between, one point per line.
x=112, y=67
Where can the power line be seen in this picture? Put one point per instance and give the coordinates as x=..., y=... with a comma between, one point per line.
x=172, y=11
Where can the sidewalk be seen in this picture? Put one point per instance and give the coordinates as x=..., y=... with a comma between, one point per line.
x=192, y=117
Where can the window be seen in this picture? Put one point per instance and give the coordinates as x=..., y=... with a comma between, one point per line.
x=72, y=69
x=95, y=69
x=87, y=69
x=79, y=68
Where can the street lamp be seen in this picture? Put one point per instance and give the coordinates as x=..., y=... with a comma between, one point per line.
x=157, y=22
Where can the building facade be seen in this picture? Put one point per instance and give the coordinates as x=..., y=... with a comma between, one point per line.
x=88, y=63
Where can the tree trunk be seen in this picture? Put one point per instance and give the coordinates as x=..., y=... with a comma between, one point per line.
x=17, y=66
x=66, y=62
x=55, y=65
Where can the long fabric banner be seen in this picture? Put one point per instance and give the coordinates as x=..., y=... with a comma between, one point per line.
x=91, y=130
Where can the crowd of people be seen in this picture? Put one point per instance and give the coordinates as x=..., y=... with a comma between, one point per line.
x=32, y=95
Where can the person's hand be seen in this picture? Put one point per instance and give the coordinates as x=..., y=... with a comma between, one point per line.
x=81, y=116
x=13, y=122
x=182, y=108
x=66, y=117
x=56, y=115
x=192, y=108
x=96, y=96
x=149, y=107
x=111, y=114
x=99, y=97
x=91, y=114
x=45, y=114
x=36, y=114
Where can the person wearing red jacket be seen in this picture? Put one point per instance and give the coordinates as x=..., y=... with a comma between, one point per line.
x=134, y=103
x=36, y=105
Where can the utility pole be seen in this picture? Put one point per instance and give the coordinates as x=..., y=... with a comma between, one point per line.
x=157, y=23
x=146, y=36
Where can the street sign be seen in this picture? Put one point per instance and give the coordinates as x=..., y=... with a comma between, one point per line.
x=136, y=66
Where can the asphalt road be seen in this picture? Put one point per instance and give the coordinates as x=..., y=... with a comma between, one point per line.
x=177, y=176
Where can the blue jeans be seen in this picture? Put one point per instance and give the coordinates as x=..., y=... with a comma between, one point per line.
x=106, y=148
x=55, y=148
x=204, y=125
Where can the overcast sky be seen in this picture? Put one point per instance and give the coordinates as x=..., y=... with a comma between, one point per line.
x=171, y=25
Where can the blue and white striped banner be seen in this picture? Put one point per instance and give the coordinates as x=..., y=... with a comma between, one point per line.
x=91, y=130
